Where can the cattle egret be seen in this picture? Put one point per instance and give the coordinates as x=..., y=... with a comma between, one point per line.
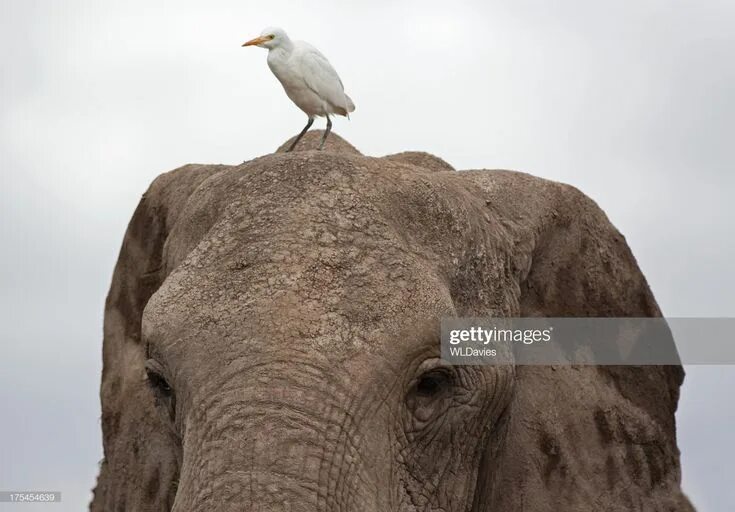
x=307, y=77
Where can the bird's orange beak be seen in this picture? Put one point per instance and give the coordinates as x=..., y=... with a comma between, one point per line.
x=257, y=41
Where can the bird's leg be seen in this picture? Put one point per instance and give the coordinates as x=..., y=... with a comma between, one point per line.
x=326, y=133
x=308, y=125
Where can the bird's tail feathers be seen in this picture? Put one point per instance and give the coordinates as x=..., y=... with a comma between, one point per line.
x=350, y=105
x=346, y=108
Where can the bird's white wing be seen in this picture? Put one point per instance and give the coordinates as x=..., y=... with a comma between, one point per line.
x=320, y=77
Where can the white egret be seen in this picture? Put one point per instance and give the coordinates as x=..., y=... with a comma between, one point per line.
x=307, y=77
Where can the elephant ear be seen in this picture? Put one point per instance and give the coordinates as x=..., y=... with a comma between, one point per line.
x=577, y=438
x=140, y=466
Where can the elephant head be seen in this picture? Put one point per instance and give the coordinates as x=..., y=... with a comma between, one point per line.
x=271, y=344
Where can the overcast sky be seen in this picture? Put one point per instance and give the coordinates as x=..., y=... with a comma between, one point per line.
x=633, y=102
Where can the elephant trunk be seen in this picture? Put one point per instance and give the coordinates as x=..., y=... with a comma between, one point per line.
x=274, y=451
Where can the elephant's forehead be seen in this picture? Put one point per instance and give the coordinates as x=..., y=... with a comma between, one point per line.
x=317, y=303
x=326, y=249
x=318, y=280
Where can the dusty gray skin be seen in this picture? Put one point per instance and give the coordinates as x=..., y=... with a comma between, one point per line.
x=271, y=345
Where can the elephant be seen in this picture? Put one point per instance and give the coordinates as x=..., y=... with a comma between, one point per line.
x=271, y=344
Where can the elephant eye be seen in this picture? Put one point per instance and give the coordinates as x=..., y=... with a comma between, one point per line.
x=432, y=384
x=429, y=395
x=158, y=382
x=162, y=390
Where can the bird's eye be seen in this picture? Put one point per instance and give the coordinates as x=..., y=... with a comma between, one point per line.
x=272, y=36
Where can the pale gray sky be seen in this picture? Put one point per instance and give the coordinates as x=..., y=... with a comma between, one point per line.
x=633, y=102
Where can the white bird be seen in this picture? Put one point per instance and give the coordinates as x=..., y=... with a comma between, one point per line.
x=307, y=77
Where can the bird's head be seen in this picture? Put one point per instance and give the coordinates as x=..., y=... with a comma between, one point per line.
x=269, y=38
